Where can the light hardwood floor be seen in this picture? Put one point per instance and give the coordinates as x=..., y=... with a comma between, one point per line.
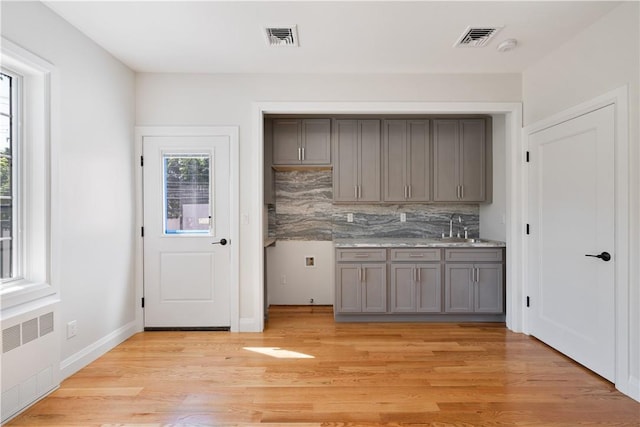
x=356, y=375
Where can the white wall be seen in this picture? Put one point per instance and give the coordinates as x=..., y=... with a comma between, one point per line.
x=604, y=57
x=493, y=215
x=291, y=282
x=94, y=174
x=182, y=99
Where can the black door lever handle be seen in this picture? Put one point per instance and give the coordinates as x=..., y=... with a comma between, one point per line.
x=605, y=256
x=221, y=242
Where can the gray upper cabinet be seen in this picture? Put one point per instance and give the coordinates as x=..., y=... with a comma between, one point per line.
x=460, y=160
x=356, y=154
x=406, y=156
x=301, y=141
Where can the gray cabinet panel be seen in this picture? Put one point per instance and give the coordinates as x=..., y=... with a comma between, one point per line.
x=415, y=255
x=301, y=141
x=459, y=150
x=369, y=166
x=489, y=296
x=429, y=288
x=473, y=254
x=356, y=154
x=472, y=160
x=374, y=294
x=403, y=293
x=345, y=158
x=458, y=288
x=348, y=291
x=406, y=161
x=445, y=160
x=360, y=255
x=316, y=141
x=286, y=141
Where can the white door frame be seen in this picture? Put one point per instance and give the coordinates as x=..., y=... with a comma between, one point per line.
x=514, y=168
x=619, y=98
x=232, y=133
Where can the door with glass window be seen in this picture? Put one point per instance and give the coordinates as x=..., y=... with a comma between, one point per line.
x=186, y=231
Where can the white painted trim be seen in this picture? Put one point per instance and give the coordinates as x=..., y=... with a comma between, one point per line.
x=513, y=115
x=84, y=357
x=232, y=132
x=619, y=98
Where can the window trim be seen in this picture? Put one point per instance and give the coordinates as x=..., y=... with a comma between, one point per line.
x=36, y=127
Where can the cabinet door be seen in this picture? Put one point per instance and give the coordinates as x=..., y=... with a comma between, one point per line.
x=418, y=161
x=345, y=161
x=369, y=161
x=459, y=288
x=445, y=160
x=348, y=288
x=374, y=292
x=316, y=141
x=286, y=142
x=428, y=288
x=489, y=294
x=394, y=159
x=403, y=292
x=472, y=160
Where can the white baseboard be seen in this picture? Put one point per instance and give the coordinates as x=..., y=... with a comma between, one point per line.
x=631, y=388
x=82, y=358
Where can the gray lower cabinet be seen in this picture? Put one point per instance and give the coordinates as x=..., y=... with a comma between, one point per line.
x=361, y=288
x=416, y=288
x=472, y=286
x=459, y=160
x=356, y=167
x=301, y=141
x=406, y=157
x=424, y=283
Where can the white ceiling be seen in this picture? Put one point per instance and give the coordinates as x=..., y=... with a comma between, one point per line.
x=335, y=37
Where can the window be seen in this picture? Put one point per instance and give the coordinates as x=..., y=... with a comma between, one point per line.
x=9, y=171
x=26, y=144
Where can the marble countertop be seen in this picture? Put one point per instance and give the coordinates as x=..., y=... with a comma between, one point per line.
x=390, y=242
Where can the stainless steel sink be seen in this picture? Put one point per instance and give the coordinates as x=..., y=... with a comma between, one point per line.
x=461, y=240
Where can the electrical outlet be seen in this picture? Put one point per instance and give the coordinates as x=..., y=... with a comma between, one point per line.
x=72, y=329
x=403, y=217
x=283, y=279
x=349, y=217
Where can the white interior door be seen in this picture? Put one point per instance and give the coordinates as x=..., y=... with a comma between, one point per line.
x=571, y=212
x=186, y=226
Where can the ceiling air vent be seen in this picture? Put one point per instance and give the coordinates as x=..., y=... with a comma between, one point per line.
x=476, y=36
x=281, y=36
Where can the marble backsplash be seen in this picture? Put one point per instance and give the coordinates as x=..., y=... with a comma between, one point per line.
x=304, y=211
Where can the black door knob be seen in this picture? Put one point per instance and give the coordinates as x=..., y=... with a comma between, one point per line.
x=605, y=256
x=221, y=242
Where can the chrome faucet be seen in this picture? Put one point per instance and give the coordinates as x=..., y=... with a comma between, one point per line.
x=451, y=225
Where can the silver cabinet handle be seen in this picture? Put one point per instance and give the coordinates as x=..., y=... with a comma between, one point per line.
x=360, y=274
x=477, y=275
x=364, y=274
x=462, y=191
x=419, y=275
x=359, y=191
x=472, y=275
x=302, y=153
x=457, y=191
x=405, y=191
x=299, y=153
x=361, y=255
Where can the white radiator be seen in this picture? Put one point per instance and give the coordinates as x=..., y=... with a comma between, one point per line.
x=30, y=357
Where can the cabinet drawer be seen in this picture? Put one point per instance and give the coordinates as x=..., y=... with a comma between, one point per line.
x=473, y=255
x=415, y=254
x=361, y=255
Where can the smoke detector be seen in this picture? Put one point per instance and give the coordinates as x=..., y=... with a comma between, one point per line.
x=507, y=45
x=476, y=36
x=282, y=35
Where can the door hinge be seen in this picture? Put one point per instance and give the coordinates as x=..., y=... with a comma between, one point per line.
x=142, y=302
x=528, y=230
x=141, y=231
x=528, y=302
x=527, y=157
x=141, y=161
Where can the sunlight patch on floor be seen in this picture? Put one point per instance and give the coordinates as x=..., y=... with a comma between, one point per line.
x=280, y=353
